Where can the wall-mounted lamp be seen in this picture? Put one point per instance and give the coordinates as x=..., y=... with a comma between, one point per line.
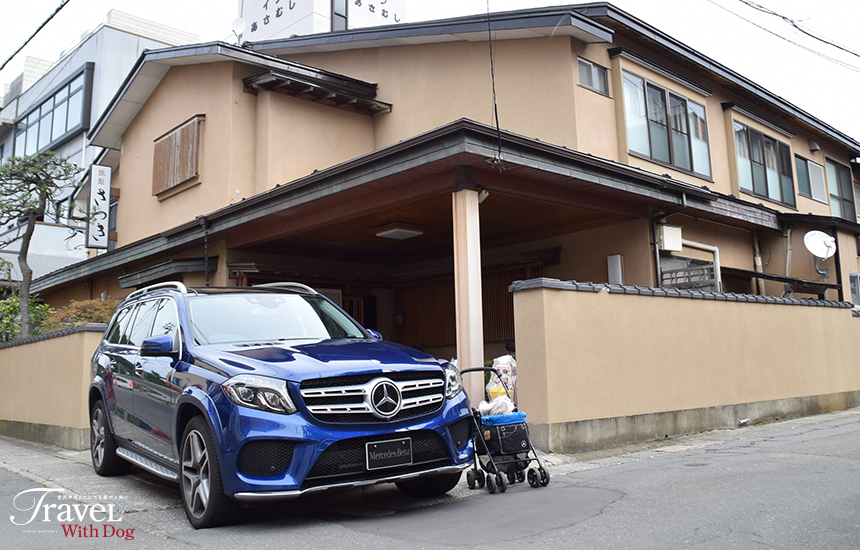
x=398, y=231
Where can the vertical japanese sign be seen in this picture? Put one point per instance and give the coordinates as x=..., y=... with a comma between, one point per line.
x=99, y=207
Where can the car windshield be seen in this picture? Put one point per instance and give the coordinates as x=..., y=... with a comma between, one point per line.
x=226, y=318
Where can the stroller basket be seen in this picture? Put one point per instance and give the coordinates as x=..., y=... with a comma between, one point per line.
x=505, y=434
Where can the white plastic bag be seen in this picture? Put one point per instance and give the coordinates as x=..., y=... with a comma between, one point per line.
x=507, y=365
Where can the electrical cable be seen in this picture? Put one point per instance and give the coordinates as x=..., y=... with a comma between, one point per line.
x=794, y=24
x=21, y=47
x=498, y=161
x=810, y=50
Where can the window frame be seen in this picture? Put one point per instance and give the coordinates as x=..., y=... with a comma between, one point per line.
x=757, y=145
x=666, y=122
x=596, y=70
x=811, y=195
x=840, y=190
x=61, y=96
x=337, y=17
x=854, y=287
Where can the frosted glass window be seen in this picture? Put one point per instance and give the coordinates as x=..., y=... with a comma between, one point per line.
x=593, y=77
x=665, y=127
x=636, y=114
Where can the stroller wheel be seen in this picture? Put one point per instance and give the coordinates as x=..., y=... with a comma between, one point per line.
x=480, y=477
x=491, y=484
x=470, y=479
x=512, y=478
x=521, y=476
x=502, y=482
x=534, y=478
x=544, y=477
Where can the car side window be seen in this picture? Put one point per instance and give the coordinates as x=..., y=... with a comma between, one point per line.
x=120, y=325
x=142, y=323
x=166, y=321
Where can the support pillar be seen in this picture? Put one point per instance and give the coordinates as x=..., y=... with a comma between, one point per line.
x=467, y=286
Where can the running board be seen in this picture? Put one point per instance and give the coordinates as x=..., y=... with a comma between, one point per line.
x=147, y=464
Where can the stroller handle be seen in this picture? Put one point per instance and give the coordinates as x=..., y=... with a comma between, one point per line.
x=493, y=370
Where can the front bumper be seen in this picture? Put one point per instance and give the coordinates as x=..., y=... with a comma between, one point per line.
x=286, y=495
x=315, y=444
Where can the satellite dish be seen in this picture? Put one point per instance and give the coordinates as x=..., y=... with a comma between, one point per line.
x=238, y=27
x=820, y=244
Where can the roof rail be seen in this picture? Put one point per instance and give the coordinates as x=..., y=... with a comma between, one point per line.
x=170, y=284
x=287, y=285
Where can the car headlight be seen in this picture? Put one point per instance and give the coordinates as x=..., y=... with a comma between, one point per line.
x=453, y=383
x=259, y=392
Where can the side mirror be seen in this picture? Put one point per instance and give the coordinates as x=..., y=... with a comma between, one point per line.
x=375, y=334
x=158, y=346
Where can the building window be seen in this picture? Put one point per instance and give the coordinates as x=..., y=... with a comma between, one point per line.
x=841, y=192
x=176, y=155
x=810, y=179
x=64, y=114
x=665, y=127
x=856, y=198
x=338, y=15
x=855, y=288
x=114, y=203
x=593, y=77
x=764, y=165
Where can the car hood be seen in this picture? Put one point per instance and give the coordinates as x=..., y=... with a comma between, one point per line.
x=303, y=360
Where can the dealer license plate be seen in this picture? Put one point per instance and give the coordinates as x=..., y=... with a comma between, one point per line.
x=388, y=454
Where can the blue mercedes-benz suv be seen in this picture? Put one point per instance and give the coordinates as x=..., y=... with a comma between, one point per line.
x=269, y=392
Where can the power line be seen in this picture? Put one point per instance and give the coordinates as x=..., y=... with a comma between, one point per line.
x=56, y=11
x=801, y=46
x=794, y=24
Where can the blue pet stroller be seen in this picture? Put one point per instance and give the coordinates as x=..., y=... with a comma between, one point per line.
x=503, y=449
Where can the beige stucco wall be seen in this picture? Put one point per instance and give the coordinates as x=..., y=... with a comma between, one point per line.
x=46, y=382
x=584, y=355
x=535, y=81
x=248, y=144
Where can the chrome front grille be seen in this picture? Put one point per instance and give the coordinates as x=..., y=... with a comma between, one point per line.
x=351, y=398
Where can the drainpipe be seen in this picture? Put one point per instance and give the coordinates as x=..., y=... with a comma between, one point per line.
x=759, y=283
x=654, y=221
x=840, y=294
x=716, y=252
x=788, y=250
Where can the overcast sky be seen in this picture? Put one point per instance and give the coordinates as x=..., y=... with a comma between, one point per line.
x=728, y=31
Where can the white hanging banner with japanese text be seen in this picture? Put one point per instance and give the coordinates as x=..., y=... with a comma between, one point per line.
x=99, y=207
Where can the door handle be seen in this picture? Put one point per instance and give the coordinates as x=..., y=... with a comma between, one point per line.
x=138, y=369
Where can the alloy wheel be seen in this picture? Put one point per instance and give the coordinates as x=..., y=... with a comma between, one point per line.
x=195, y=473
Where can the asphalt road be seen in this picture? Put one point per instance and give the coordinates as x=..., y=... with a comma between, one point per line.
x=793, y=484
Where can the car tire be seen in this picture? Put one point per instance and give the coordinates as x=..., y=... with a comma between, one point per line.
x=430, y=486
x=103, y=445
x=203, y=496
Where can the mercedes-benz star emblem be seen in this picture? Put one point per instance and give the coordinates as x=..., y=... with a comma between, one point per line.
x=385, y=398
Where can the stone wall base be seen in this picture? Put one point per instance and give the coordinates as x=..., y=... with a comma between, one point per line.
x=601, y=433
x=76, y=439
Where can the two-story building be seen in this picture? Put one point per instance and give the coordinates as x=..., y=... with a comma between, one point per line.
x=413, y=179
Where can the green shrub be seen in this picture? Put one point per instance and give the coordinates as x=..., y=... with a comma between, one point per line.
x=10, y=317
x=80, y=313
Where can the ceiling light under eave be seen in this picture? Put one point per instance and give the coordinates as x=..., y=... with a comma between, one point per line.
x=398, y=231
